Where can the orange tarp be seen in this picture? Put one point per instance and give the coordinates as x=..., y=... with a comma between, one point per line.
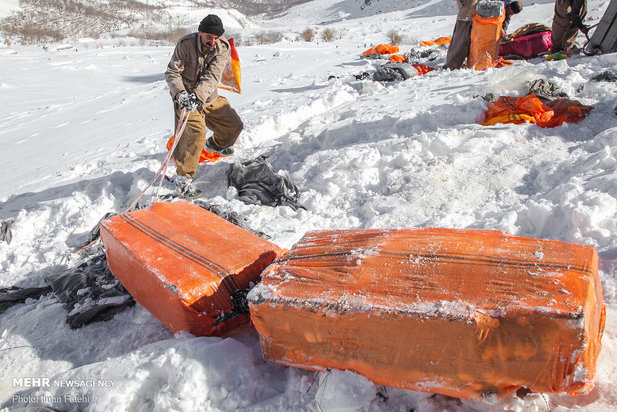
x=501, y=62
x=464, y=313
x=398, y=58
x=485, y=36
x=204, y=157
x=382, y=49
x=530, y=108
x=423, y=68
x=437, y=42
x=184, y=264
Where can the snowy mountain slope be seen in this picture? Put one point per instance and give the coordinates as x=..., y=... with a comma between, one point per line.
x=8, y=6
x=86, y=133
x=328, y=12
x=36, y=21
x=32, y=21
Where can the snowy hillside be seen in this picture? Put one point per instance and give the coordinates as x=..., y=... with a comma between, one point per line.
x=327, y=12
x=34, y=21
x=83, y=127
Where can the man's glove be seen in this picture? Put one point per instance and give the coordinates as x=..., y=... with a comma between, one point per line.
x=584, y=29
x=187, y=101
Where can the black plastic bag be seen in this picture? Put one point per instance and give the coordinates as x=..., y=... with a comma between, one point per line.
x=257, y=183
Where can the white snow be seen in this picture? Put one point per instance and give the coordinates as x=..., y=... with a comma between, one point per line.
x=7, y=7
x=83, y=130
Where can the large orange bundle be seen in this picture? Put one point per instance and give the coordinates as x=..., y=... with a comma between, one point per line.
x=465, y=313
x=187, y=266
x=485, y=36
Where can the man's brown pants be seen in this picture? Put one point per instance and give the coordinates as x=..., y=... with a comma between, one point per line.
x=218, y=117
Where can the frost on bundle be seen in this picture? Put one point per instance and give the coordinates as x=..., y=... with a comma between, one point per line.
x=189, y=267
x=465, y=313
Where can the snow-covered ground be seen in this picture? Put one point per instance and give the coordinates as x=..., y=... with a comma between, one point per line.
x=83, y=129
x=8, y=6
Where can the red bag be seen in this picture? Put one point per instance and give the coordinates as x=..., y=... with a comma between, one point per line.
x=527, y=46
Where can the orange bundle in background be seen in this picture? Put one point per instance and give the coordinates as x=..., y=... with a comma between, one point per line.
x=398, y=58
x=445, y=41
x=381, y=49
x=187, y=266
x=485, y=36
x=423, y=68
x=464, y=313
x=530, y=108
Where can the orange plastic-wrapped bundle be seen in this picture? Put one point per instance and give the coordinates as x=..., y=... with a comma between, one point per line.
x=485, y=36
x=530, y=108
x=465, y=313
x=530, y=105
x=398, y=58
x=187, y=266
x=566, y=110
x=423, y=68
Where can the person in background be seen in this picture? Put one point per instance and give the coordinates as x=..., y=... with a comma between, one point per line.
x=510, y=8
x=193, y=75
x=567, y=21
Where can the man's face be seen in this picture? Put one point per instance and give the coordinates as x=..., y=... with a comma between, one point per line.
x=208, y=40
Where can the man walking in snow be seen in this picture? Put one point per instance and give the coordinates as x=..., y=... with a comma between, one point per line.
x=567, y=21
x=193, y=75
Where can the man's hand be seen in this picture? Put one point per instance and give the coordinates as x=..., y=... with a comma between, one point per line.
x=585, y=29
x=187, y=101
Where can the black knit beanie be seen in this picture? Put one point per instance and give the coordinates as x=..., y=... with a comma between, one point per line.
x=516, y=7
x=212, y=24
